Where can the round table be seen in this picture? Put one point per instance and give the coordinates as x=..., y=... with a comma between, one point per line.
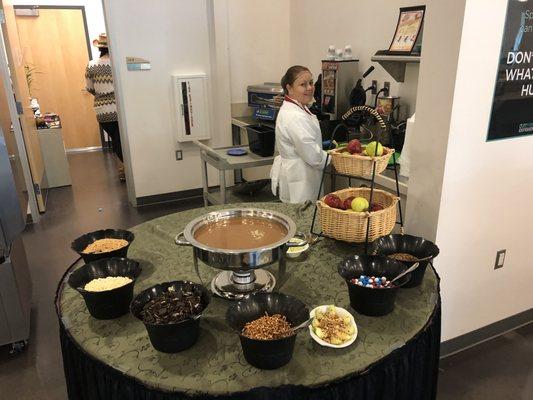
x=394, y=356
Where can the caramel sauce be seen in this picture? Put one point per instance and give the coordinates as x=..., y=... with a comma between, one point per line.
x=240, y=233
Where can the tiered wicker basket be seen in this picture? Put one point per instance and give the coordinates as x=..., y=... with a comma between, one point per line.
x=351, y=226
x=358, y=164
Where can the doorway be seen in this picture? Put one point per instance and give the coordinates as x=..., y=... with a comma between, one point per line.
x=56, y=47
x=48, y=49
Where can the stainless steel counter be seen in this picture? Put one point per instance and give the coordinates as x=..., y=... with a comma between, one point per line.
x=219, y=159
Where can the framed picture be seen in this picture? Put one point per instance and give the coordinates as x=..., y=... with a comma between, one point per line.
x=407, y=30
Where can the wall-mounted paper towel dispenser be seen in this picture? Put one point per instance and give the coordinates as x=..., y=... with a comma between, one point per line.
x=191, y=107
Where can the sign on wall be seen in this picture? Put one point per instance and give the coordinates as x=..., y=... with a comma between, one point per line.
x=512, y=105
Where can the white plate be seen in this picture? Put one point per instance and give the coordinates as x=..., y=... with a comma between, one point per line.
x=341, y=311
x=304, y=247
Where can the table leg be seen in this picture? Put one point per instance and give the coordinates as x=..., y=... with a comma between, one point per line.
x=282, y=270
x=222, y=180
x=236, y=141
x=205, y=182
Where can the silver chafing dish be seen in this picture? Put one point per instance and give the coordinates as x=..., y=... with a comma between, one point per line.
x=242, y=273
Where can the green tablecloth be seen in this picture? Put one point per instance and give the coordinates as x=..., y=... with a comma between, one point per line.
x=215, y=364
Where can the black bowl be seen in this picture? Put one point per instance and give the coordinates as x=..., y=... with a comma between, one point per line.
x=173, y=337
x=419, y=247
x=372, y=301
x=83, y=241
x=110, y=303
x=267, y=354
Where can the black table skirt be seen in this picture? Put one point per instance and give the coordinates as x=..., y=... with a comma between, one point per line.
x=408, y=373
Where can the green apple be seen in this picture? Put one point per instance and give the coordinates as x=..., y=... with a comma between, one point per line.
x=360, y=204
x=371, y=149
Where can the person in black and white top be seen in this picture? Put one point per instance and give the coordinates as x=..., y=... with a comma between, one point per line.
x=99, y=82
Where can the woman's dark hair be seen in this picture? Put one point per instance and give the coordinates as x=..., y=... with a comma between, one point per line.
x=291, y=75
x=104, y=51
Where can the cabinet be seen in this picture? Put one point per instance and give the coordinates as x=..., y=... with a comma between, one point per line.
x=55, y=161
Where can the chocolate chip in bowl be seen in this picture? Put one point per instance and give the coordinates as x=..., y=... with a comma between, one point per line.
x=171, y=313
x=173, y=306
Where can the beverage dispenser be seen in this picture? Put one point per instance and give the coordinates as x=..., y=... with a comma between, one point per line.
x=338, y=79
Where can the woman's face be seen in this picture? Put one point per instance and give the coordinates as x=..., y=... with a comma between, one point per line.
x=303, y=88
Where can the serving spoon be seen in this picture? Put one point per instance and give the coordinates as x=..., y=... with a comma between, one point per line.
x=410, y=269
x=302, y=325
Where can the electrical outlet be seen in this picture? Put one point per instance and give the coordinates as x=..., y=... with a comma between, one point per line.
x=386, y=86
x=374, y=87
x=179, y=155
x=500, y=259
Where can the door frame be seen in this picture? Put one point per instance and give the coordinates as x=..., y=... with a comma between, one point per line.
x=119, y=95
x=50, y=7
x=103, y=140
x=17, y=129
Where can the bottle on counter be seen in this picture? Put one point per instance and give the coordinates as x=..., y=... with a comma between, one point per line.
x=331, y=53
x=348, y=53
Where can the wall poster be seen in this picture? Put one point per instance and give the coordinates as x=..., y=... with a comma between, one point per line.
x=408, y=28
x=512, y=105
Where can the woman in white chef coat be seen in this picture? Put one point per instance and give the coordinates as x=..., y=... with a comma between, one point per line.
x=297, y=170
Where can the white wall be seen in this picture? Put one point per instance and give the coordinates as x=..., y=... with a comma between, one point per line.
x=93, y=12
x=265, y=41
x=473, y=197
x=487, y=191
x=177, y=37
x=442, y=39
x=258, y=43
x=367, y=25
x=241, y=42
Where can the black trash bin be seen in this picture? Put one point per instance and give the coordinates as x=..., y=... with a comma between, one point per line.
x=261, y=139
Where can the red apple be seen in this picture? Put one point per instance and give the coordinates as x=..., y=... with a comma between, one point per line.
x=333, y=201
x=347, y=203
x=376, y=207
x=354, y=146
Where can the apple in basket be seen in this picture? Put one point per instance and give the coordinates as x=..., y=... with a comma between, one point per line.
x=376, y=207
x=333, y=201
x=359, y=204
x=374, y=149
x=354, y=146
x=347, y=203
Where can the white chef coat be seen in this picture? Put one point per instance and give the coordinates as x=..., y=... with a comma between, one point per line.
x=297, y=170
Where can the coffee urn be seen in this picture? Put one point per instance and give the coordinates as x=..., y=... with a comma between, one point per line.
x=338, y=79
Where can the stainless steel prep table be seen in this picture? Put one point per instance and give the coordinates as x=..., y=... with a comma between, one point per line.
x=222, y=161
